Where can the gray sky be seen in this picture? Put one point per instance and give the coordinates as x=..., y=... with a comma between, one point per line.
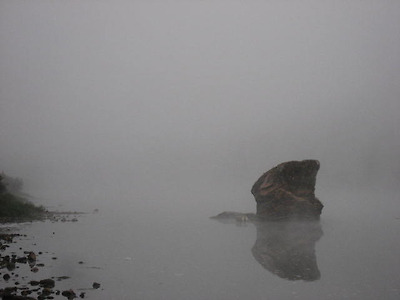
x=121, y=94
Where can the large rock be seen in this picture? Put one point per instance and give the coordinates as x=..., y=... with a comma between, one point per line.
x=287, y=191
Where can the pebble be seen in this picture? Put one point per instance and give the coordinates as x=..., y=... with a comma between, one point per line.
x=96, y=285
x=47, y=283
x=70, y=294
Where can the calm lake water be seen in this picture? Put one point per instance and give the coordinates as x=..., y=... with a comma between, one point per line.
x=157, y=254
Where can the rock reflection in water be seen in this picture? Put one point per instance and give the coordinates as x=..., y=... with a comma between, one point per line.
x=287, y=249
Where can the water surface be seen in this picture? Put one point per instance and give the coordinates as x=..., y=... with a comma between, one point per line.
x=159, y=254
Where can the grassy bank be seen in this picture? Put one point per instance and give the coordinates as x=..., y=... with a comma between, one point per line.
x=13, y=207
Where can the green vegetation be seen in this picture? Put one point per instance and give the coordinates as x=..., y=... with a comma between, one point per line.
x=13, y=207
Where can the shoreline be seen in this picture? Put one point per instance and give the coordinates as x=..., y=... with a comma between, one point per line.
x=46, y=215
x=20, y=265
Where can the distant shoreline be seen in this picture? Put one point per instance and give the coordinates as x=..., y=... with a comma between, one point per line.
x=46, y=215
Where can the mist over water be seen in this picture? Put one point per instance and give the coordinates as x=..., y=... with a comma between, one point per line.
x=163, y=113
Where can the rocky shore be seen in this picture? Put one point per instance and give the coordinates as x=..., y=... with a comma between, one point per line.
x=19, y=268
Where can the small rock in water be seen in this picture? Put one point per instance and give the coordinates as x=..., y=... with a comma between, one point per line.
x=34, y=283
x=47, y=283
x=62, y=278
x=70, y=294
x=21, y=260
x=6, y=277
x=46, y=291
x=31, y=256
x=96, y=285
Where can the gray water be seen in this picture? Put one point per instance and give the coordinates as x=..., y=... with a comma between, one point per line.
x=159, y=254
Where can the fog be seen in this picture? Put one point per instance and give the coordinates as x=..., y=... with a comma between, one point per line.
x=160, y=114
x=182, y=105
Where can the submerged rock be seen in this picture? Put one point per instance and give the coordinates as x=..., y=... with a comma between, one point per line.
x=231, y=216
x=287, y=191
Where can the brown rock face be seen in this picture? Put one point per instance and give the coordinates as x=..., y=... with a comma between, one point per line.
x=287, y=191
